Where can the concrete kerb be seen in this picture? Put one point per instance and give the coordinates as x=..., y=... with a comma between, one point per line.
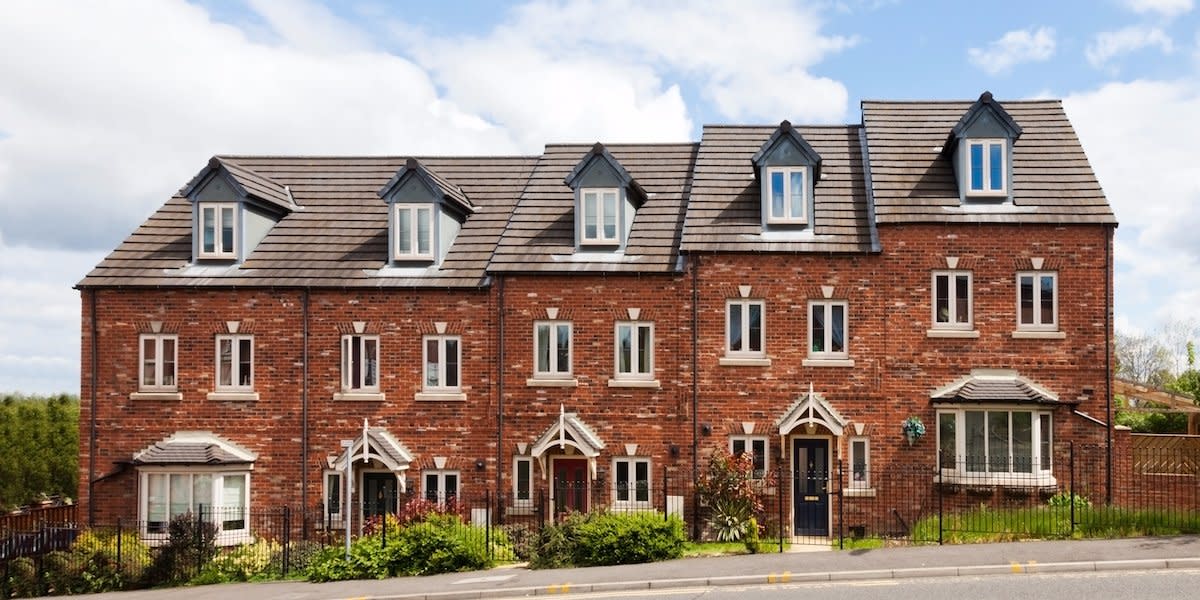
x=1031, y=567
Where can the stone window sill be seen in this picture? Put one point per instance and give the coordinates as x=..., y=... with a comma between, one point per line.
x=827, y=362
x=652, y=384
x=740, y=361
x=1039, y=335
x=534, y=382
x=952, y=333
x=359, y=396
x=859, y=492
x=233, y=396
x=440, y=397
x=156, y=396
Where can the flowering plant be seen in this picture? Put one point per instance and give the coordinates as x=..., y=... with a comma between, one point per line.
x=913, y=429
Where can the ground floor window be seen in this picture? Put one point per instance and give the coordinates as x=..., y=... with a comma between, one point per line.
x=441, y=486
x=218, y=497
x=860, y=463
x=631, y=481
x=334, y=491
x=757, y=447
x=523, y=482
x=999, y=444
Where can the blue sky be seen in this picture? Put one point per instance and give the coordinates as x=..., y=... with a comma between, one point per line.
x=102, y=122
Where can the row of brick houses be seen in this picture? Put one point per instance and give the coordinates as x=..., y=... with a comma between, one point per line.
x=599, y=317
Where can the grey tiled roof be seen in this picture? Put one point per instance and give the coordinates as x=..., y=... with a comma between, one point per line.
x=540, y=236
x=995, y=390
x=339, y=236
x=913, y=177
x=724, y=213
x=191, y=450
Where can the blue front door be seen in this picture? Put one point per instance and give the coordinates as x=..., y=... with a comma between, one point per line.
x=810, y=486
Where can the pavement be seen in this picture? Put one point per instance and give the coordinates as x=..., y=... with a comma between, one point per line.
x=1181, y=552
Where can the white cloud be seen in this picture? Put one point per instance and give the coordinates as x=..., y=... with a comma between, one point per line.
x=1013, y=48
x=1163, y=8
x=562, y=52
x=1109, y=44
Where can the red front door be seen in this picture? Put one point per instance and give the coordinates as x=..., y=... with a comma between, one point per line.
x=570, y=485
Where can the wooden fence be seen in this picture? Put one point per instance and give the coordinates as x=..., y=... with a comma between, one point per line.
x=33, y=519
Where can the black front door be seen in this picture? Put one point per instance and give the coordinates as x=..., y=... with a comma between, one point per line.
x=810, y=483
x=379, y=494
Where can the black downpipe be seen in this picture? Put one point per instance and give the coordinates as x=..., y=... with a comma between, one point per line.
x=695, y=394
x=1108, y=374
x=304, y=404
x=95, y=360
x=499, y=391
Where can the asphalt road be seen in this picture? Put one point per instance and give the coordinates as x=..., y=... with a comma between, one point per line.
x=1157, y=585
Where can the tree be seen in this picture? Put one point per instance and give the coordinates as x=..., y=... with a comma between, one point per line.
x=1143, y=359
x=39, y=448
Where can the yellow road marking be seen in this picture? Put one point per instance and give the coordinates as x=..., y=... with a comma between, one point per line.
x=559, y=589
x=1016, y=567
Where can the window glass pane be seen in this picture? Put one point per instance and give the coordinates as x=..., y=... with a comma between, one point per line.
x=622, y=480
x=977, y=166
x=431, y=487
x=610, y=216
x=797, y=193
x=1047, y=300
x=858, y=457
x=227, y=223
x=452, y=360
x=1044, y=440
x=624, y=349
x=1026, y=284
x=975, y=439
x=777, y=194
x=645, y=346
x=564, y=349
x=168, y=362
x=202, y=493
x=371, y=361
x=760, y=457
x=225, y=362
x=739, y=447
x=431, y=363
x=941, y=298
x=245, y=360
x=333, y=493
x=523, y=480
x=149, y=359
x=451, y=486
x=818, y=328
x=208, y=216
x=947, y=449
x=735, y=327
x=404, y=231
x=356, y=369
x=995, y=165
x=424, y=231
x=755, y=322
x=838, y=325
x=962, y=299
x=156, y=502
x=998, y=442
x=543, y=348
x=642, y=478
x=181, y=487
x=1022, y=442
x=589, y=216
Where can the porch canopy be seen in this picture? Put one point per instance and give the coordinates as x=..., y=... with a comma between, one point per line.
x=810, y=410
x=380, y=445
x=568, y=430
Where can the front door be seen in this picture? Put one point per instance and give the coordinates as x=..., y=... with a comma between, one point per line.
x=810, y=483
x=570, y=485
x=379, y=494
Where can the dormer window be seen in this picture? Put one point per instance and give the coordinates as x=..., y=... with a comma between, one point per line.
x=414, y=231
x=788, y=192
x=600, y=215
x=218, y=230
x=981, y=144
x=988, y=172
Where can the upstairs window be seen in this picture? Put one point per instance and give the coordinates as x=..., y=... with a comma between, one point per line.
x=601, y=210
x=159, y=354
x=414, y=231
x=1037, y=301
x=744, y=328
x=360, y=363
x=218, y=230
x=443, y=360
x=952, y=303
x=235, y=362
x=635, y=350
x=827, y=329
x=988, y=173
x=787, y=193
x=552, y=349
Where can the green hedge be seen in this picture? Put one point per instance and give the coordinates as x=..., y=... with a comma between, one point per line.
x=609, y=539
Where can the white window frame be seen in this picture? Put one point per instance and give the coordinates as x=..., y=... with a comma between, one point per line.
x=630, y=500
x=441, y=365
x=160, y=374
x=865, y=483
x=1041, y=466
x=986, y=179
x=347, y=368
x=332, y=518
x=952, y=300
x=441, y=475
x=412, y=251
x=524, y=504
x=219, y=251
x=1037, y=324
x=600, y=238
x=748, y=443
x=235, y=341
x=553, y=372
x=219, y=516
x=745, y=305
x=634, y=350
x=790, y=198
x=828, y=353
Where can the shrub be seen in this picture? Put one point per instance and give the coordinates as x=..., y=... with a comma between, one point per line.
x=610, y=539
x=190, y=542
x=1065, y=499
x=23, y=578
x=752, y=537
x=248, y=562
x=729, y=489
x=522, y=538
x=96, y=552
